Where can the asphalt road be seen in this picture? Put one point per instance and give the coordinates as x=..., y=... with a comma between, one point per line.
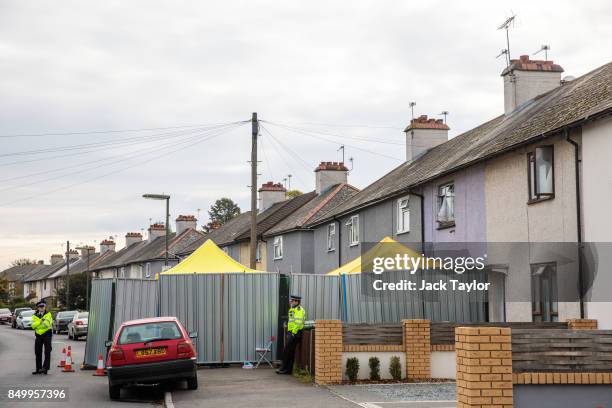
x=17, y=364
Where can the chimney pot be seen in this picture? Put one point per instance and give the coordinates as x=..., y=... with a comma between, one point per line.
x=271, y=193
x=156, y=230
x=329, y=174
x=107, y=245
x=132, y=238
x=524, y=79
x=424, y=133
x=185, y=222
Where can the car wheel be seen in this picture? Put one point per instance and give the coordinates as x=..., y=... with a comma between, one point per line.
x=114, y=391
x=192, y=383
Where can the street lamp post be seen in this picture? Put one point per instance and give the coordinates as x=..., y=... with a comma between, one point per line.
x=167, y=198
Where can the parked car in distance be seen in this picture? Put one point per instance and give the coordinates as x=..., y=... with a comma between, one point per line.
x=77, y=327
x=24, y=321
x=60, y=323
x=16, y=314
x=5, y=316
x=150, y=351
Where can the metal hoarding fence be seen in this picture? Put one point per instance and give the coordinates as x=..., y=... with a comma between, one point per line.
x=232, y=313
x=99, y=324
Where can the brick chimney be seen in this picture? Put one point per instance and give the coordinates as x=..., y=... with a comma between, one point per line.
x=184, y=222
x=57, y=258
x=132, y=237
x=84, y=250
x=73, y=254
x=329, y=174
x=525, y=79
x=422, y=134
x=107, y=245
x=271, y=193
x=157, y=230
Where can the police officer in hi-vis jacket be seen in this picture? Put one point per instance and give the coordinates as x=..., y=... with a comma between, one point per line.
x=297, y=316
x=42, y=321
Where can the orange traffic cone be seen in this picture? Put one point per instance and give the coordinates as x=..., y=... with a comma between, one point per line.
x=100, y=369
x=63, y=360
x=68, y=364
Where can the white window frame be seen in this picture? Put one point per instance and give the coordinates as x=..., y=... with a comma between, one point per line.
x=446, y=200
x=403, y=208
x=353, y=230
x=258, y=252
x=122, y=272
x=148, y=270
x=278, y=247
x=331, y=237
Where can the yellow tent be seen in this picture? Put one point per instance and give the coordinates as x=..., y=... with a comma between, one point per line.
x=208, y=258
x=387, y=247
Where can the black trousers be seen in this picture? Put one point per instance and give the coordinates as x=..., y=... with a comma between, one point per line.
x=43, y=340
x=289, y=356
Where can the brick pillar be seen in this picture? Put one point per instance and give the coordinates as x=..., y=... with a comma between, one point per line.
x=328, y=351
x=582, y=324
x=417, y=345
x=484, y=367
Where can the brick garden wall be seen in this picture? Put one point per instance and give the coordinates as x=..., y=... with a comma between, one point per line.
x=328, y=351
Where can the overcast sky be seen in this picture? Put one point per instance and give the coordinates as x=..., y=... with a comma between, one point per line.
x=118, y=65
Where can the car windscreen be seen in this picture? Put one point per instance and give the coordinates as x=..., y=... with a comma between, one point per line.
x=27, y=313
x=65, y=314
x=146, y=332
x=20, y=311
x=83, y=315
x=3, y=311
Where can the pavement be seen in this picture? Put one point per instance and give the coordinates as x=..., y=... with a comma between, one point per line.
x=83, y=389
x=218, y=387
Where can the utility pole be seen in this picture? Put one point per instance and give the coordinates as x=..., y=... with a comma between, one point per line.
x=67, y=275
x=88, y=248
x=253, y=246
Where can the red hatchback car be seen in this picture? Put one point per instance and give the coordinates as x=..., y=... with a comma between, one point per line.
x=148, y=351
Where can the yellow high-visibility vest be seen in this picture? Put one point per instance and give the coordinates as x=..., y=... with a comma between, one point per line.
x=41, y=325
x=297, y=316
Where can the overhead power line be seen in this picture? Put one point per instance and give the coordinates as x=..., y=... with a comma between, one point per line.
x=96, y=132
x=140, y=163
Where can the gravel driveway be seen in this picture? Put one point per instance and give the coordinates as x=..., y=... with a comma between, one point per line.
x=385, y=393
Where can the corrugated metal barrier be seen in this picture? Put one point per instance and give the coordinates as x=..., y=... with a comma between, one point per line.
x=320, y=295
x=114, y=301
x=100, y=309
x=232, y=313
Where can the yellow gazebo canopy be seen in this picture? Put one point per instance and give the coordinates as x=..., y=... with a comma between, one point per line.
x=387, y=247
x=208, y=258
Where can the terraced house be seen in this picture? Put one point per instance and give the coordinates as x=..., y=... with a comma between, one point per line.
x=535, y=174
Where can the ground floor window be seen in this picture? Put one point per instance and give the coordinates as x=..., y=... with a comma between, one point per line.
x=544, y=301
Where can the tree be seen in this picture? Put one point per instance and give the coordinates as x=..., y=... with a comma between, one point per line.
x=4, y=291
x=223, y=210
x=294, y=193
x=23, y=261
x=78, y=292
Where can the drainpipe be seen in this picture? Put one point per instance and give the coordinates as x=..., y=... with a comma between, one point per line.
x=422, y=197
x=578, y=213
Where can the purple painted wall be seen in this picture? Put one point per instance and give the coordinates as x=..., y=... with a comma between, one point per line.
x=470, y=216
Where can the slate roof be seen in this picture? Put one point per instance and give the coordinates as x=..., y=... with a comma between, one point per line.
x=581, y=99
x=43, y=271
x=148, y=250
x=321, y=204
x=16, y=273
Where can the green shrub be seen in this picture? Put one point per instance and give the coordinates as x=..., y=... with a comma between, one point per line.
x=374, y=364
x=352, y=368
x=395, y=368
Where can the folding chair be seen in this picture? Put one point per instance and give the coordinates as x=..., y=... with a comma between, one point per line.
x=262, y=352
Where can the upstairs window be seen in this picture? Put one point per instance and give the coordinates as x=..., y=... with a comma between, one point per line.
x=278, y=247
x=446, y=205
x=331, y=237
x=403, y=215
x=148, y=270
x=541, y=178
x=353, y=230
x=258, y=252
x=122, y=272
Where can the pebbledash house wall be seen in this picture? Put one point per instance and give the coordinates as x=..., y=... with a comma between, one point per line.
x=297, y=253
x=596, y=182
x=375, y=223
x=509, y=218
